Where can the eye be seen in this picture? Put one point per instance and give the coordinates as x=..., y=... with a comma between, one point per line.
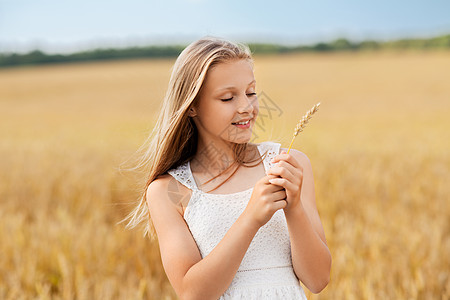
x=228, y=99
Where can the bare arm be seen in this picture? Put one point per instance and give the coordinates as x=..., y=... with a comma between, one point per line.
x=312, y=263
x=311, y=257
x=191, y=276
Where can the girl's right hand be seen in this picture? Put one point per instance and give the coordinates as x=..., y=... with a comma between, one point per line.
x=265, y=200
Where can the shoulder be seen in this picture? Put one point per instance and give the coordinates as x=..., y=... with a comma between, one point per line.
x=161, y=180
x=157, y=187
x=165, y=190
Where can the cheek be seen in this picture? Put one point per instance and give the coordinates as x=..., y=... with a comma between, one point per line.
x=256, y=108
x=221, y=115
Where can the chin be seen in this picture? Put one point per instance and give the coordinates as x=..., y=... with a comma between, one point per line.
x=243, y=140
x=239, y=137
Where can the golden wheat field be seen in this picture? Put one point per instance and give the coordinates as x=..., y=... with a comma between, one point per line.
x=379, y=147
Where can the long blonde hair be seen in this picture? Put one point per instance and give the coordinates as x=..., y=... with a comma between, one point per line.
x=173, y=140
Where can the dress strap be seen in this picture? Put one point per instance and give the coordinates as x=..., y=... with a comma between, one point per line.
x=183, y=174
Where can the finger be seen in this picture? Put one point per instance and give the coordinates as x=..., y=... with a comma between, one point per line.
x=272, y=176
x=283, y=182
x=293, y=175
x=288, y=158
x=274, y=186
x=267, y=177
x=283, y=169
x=280, y=204
x=277, y=181
x=280, y=194
x=276, y=189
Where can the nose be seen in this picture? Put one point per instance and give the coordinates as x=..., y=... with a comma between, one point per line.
x=246, y=104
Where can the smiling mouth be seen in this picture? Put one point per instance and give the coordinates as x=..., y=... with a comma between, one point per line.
x=241, y=123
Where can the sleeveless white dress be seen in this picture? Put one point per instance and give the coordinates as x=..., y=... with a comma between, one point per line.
x=266, y=270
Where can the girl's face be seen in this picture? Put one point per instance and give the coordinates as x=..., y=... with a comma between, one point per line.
x=228, y=95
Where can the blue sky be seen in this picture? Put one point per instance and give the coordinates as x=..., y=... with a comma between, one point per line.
x=67, y=25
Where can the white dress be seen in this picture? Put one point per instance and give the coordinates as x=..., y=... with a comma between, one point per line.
x=266, y=270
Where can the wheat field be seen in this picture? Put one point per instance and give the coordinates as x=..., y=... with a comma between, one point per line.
x=379, y=147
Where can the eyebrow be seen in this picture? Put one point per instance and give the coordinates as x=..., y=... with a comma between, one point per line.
x=232, y=87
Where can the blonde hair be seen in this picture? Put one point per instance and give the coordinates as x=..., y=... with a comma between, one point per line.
x=173, y=140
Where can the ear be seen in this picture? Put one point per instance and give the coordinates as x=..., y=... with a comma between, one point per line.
x=192, y=112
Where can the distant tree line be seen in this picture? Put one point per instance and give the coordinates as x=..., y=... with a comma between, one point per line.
x=38, y=57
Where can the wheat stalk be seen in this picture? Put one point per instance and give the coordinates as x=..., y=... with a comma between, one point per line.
x=302, y=123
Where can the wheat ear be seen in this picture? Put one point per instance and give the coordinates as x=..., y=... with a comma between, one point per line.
x=302, y=123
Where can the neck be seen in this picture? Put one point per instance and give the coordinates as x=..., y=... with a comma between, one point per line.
x=213, y=157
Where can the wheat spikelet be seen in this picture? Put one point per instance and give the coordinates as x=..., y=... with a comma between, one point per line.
x=302, y=123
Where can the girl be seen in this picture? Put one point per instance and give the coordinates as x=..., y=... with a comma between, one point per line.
x=234, y=219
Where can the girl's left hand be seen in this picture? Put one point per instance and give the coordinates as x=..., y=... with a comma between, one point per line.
x=288, y=173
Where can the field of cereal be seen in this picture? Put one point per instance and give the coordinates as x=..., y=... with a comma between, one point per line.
x=379, y=147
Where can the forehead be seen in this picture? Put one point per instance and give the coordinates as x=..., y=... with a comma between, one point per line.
x=237, y=73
